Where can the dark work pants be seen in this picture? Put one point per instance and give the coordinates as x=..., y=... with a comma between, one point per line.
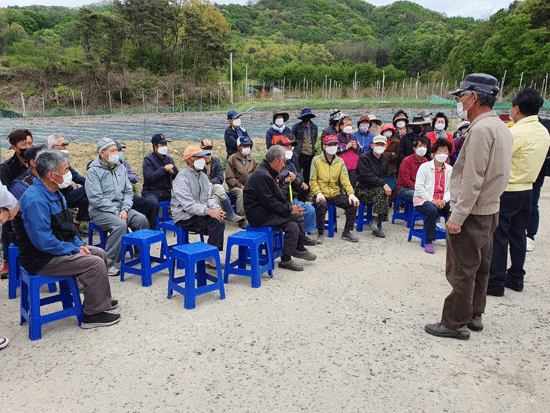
x=339, y=201
x=77, y=199
x=147, y=207
x=514, y=215
x=533, y=224
x=293, y=228
x=305, y=163
x=206, y=226
x=432, y=213
x=6, y=239
x=467, y=270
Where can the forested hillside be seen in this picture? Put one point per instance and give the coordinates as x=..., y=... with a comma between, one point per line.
x=137, y=46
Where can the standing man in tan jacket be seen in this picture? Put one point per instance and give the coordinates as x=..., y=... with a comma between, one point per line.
x=240, y=166
x=479, y=178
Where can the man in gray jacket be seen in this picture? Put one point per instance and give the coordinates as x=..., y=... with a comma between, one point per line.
x=193, y=207
x=479, y=178
x=110, y=196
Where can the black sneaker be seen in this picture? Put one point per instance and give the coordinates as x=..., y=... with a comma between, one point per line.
x=103, y=319
x=305, y=255
x=114, y=304
x=309, y=242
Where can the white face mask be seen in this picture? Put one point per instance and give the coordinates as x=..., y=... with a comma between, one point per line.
x=199, y=164
x=460, y=110
x=65, y=151
x=331, y=150
x=279, y=122
x=237, y=122
x=163, y=150
x=67, y=180
x=388, y=134
x=113, y=159
x=364, y=127
x=246, y=151
x=288, y=155
x=400, y=124
x=441, y=157
x=421, y=151
x=348, y=129
x=379, y=149
x=439, y=126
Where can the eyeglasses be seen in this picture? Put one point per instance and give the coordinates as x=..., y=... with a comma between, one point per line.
x=63, y=145
x=206, y=148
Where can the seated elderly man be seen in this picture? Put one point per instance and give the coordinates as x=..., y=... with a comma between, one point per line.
x=193, y=207
x=240, y=166
x=50, y=245
x=74, y=194
x=214, y=171
x=148, y=207
x=111, y=198
x=328, y=175
x=266, y=206
x=159, y=170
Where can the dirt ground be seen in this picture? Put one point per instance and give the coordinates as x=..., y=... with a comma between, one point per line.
x=345, y=335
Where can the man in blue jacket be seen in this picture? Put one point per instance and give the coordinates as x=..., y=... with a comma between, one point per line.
x=50, y=245
x=111, y=198
x=159, y=170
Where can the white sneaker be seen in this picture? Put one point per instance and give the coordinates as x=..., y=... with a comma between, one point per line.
x=530, y=245
x=3, y=342
x=113, y=271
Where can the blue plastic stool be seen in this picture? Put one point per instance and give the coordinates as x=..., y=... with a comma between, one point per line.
x=419, y=232
x=361, y=220
x=275, y=238
x=191, y=255
x=406, y=215
x=15, y=273
x=143, y=239
x=31, y=301
x=331, y=225
x=250, y=244
x=162, y=215
x=102, y=236
x=233, y=201
x=182, y=237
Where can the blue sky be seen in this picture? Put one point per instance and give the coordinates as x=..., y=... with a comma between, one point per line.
x=478, y=9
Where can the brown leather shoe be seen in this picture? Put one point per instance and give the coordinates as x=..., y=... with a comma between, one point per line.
x=476, y=324
x=439, y=330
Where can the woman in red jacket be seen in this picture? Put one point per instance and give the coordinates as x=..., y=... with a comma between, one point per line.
x=439, y=125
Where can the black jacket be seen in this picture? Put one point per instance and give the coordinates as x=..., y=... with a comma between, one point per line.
x=371, y=171
x=406, y=146
x=11, y=169
x=230, y=138
x=298, y=131
x=272, y=132
x=291, y=166
x=216, y=172
x=155, y=178
x=545, y=170
x=263, y=198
